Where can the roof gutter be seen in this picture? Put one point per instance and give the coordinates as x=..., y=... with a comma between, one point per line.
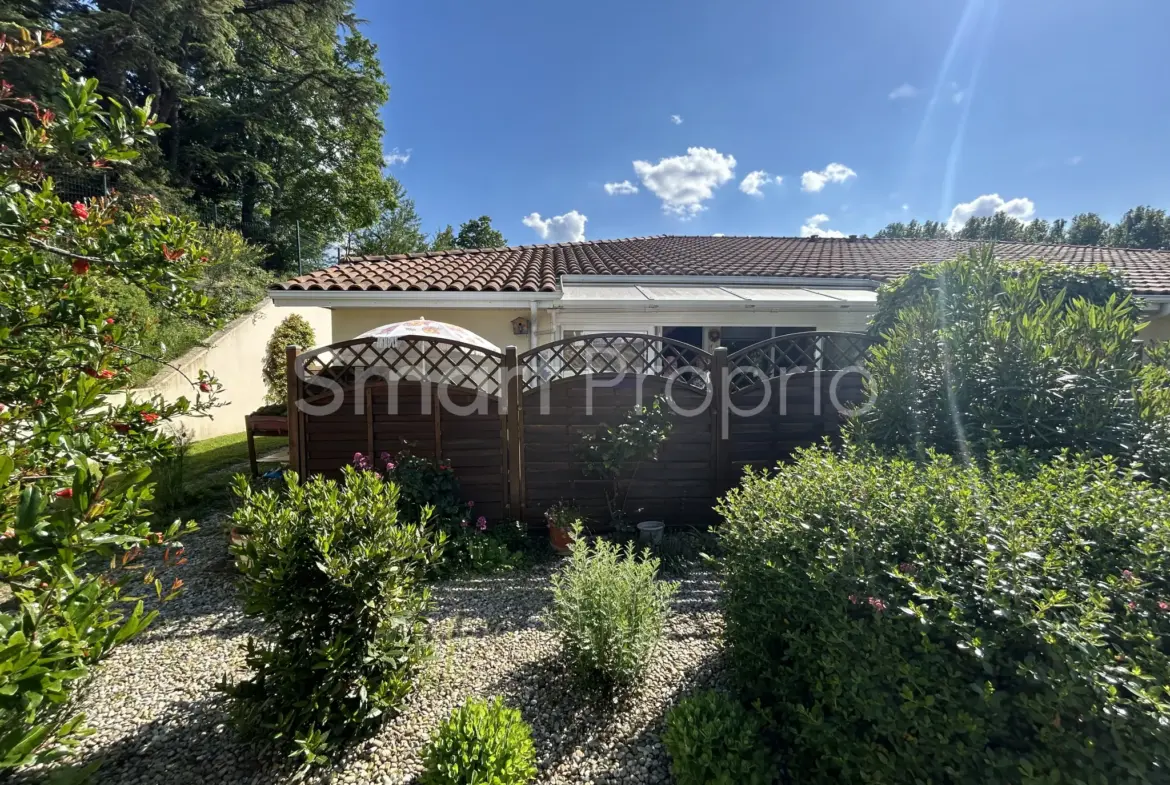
x=394, y=299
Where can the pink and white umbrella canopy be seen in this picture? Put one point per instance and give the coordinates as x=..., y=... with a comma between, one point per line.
x=427, y=328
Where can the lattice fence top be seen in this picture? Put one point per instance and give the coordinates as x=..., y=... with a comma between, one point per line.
x=797, y=353
x=617, y=353
x=410, y=358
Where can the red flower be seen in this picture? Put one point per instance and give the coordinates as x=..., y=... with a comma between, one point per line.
x=203, y=259
x=150, y=418
x=47, y=117
x=80, y=267
x=1164, y=606
x=204, y=387
x=174, y=255
x=121, y=427
x=106, y=374
x=110, y=320
x=80, y=211
x=64, y=493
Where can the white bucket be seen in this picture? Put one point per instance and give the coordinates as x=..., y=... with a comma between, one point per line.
x=650, y=532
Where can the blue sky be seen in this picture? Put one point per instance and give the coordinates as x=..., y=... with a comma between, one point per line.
x=928, y=109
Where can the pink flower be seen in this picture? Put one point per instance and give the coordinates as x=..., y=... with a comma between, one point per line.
x=481, y=523
x=1164, y=606
x=80, y=211
x=1131, y=605
x=877, y=604
x=1127, y=575
x=853, y=598
x=64, y=493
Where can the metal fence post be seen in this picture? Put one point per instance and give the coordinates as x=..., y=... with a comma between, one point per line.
x=512, y=392
x=719, y=414
x=293, y=397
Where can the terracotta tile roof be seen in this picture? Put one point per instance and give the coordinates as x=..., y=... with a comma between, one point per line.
x=538, y=268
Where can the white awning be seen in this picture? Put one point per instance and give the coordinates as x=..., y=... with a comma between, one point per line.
x=710, y=297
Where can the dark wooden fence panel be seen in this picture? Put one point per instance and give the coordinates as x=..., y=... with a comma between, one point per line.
x=786, y=414
x=678, y=488
x=517, y=463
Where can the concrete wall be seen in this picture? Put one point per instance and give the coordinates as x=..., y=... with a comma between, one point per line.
x=235, y=355
x=1157, y=330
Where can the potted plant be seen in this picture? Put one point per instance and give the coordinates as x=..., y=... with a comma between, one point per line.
x=562, y=518
x=614, y=454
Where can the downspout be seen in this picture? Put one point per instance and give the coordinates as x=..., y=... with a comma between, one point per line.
x=532, y=324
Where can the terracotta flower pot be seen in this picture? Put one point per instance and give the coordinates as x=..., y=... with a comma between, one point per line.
x=560, y=539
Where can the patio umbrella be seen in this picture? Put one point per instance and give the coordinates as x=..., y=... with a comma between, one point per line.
x=427, y=328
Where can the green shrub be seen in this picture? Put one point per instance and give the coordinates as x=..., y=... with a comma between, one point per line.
x=295, y=330
x=609, y=610
x=335, y=571
x=481, y=743
x=928, y=622
x=982, y=356
x=713, y=740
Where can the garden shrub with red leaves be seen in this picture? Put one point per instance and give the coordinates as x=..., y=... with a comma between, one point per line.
x=75, y=451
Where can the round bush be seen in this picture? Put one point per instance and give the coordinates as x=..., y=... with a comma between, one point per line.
x=928, y=622
x=713, y=740
x=294, y=330
x=481, y=743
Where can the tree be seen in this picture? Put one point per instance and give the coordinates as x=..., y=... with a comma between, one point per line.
x=1141, y=227
x=927, y=230
x=1057, y=233
x=1036, y=231
x=444, y=240
x=272, y=107
x=479, y=233
x=76, y=451
x=1088, y=229
x=399, y=230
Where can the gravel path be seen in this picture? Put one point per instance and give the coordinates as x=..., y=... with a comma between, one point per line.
x=160, y=720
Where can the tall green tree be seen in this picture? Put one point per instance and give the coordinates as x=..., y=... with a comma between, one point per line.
x=1141, y=227
x=444, y=240
x=272, y=106
x=399, y=230
x=927, y=230
x=479, y=233
x=1056, y=234
x=1088, y=229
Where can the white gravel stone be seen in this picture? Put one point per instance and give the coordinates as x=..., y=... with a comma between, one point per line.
x=159, y=719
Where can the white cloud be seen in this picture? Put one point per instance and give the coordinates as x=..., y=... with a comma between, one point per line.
x=812, y=227
x=756, y=180
x=903, y=91
x=684, y=182
x=990, y=204
x=394, y=157
x=905, y=207
x=1075, y=160
x=624, y=187
x=567, y=228
x=676, y=119
x=833, y=173
x=719, y=234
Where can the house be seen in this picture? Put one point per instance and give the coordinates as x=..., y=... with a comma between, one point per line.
x=707, y=291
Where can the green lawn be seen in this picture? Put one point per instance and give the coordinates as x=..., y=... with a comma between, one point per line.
x=201, y=482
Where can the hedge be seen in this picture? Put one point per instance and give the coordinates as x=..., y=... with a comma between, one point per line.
x=931, y=622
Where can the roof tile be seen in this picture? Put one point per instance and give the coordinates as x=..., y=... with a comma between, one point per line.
x=532, y=268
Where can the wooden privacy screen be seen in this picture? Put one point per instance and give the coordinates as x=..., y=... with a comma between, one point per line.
x=449, y=400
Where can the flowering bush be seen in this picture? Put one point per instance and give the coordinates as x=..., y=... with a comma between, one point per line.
x=336, y=572
x=925, y=622
x=982, y=356
x=609, y=610
x=75, y=453
x=481, y=742
x=427, y=484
